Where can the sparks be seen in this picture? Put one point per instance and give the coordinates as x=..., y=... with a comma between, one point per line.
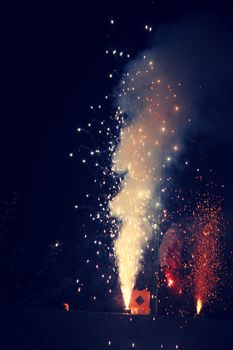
x=139, y=162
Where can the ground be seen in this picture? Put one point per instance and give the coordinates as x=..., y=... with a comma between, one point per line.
x=62, y=330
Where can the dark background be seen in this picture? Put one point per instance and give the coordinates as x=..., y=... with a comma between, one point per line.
x=53, y=68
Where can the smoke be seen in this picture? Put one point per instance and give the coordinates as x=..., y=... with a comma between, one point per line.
x=198, y=52
x=163, y=92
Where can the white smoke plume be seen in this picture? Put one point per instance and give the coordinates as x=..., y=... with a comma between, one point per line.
x=166, y=95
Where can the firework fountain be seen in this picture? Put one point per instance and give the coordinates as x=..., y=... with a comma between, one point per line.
x=207, y=252
x=148, y=140
x=148, y=131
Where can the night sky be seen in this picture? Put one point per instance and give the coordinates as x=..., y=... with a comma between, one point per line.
x=54, y=68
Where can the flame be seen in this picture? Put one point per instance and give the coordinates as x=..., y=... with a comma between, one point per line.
x=198, y=306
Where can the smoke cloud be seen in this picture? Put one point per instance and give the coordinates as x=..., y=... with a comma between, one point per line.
x=168, y=94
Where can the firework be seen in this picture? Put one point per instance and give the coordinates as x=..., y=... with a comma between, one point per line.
x=206, y=262
x=148, y=139
x=132, y=179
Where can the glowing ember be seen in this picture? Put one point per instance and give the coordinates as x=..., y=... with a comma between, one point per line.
x=66, y=306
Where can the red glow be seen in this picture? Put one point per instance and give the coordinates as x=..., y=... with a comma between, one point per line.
x=170, y=280
x=173, y=281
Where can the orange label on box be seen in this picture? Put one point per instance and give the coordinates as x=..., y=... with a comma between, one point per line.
x=140, y=302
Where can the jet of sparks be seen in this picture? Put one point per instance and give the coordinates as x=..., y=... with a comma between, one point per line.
x=145, y=145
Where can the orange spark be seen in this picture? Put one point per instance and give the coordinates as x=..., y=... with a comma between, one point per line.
x=66, y=306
